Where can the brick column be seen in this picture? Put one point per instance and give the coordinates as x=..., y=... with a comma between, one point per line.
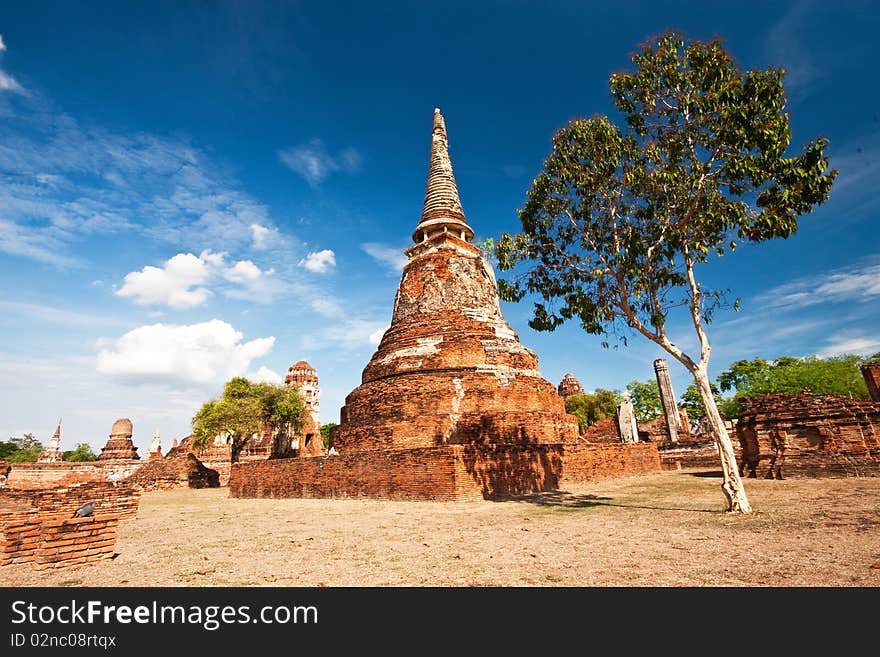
x=871, y=372
x=667, y=398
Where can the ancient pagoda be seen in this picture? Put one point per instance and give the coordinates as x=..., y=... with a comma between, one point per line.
x=304, y=379
x=119, y=445
x=52, y=453
x=449, y=370
x=451, y=405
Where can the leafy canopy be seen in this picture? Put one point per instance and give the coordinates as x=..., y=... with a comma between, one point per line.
x=619, y=217
x=645, y=398
x=82, y=452
x=589, y=408
x=246, y=408
x=21, y=449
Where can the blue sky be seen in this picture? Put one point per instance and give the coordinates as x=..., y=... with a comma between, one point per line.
x=190, y=193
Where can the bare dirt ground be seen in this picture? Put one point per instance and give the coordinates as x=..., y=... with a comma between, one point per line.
x=661, y=530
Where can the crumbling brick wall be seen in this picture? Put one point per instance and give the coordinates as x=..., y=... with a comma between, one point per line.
x=441, y=473
x=63, y=473
x=809, y=436
x=50, y=540
x=180, y=469
x=108, y=497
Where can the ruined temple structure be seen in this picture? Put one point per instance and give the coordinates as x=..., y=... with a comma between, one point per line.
x=871, y=374
x=119, y=446
x=451, y=404
x=667, y=399
x=155, y=450
x=52, y=454
x=569, y=386
x=304, y=379
x=808, y=436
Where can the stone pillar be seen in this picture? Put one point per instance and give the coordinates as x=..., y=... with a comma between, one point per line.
x=871, y=373
x=627, y=428
x=667, y=398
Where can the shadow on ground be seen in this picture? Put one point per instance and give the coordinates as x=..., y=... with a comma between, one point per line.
x=707, y=473
x=564, y=499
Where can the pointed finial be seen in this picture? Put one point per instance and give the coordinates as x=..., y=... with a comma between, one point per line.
x=442, y=211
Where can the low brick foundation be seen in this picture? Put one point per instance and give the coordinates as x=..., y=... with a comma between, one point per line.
x=440, y=473
x=108, y=497
x=50, y=540
x=178, y=470
x=36, y=476
x=809, y=436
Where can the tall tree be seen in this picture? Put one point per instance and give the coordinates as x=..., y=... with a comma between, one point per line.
x=21, y=449
x=81, y=452
x=246, y=408
x=620, y=219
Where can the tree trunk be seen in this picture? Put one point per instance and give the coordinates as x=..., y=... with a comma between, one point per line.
x=733, y=488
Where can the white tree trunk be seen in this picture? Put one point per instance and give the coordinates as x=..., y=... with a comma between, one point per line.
x=733, y=488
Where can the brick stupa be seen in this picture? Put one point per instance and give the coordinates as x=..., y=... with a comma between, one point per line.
x=304, y=378
x=451, y=405
x=119, y=445
x=450, y=370
x=53, y=453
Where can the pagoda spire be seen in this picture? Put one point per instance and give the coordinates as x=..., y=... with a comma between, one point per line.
x=442, y=211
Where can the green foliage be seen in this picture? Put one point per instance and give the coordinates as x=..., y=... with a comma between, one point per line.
x=839, y=375
x=692, y=402
x=21, y=449
x=618, y=218
x=82, y=452
x=645, y=398
x=325, y=433
x=592, y=407
x=246, y=408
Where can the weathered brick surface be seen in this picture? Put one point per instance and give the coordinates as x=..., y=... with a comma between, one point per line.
x=179, y=469
x=871, y=374
x=64, y=473
x=603, y=431
x=441, y=473
x=52, y=540
x=108, y=497
x=809, y=436
x=119, y=446
x=569, y=386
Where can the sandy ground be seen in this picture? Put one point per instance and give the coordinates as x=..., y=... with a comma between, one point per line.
x=665, y=529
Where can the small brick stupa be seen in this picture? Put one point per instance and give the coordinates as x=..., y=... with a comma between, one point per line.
x=451, y=405
x=569, y=386
x=304, y=378
x=53, y=453
x=119, y=445
x=450, y=370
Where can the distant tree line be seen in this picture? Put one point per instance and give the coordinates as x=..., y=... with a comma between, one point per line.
x=838, y=375
x=26, y=449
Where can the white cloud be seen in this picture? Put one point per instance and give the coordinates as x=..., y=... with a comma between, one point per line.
x=263, y=237
x=327, y=306
x=319, y=262
x=2, y=44
x=348, y=334
x=314, y=163
x=9, y=83
x=243, y=271
x=194, y=354
x=849, y=342
x=860, y=283
x=392, y=258
x=174, y=284
x=265, y=374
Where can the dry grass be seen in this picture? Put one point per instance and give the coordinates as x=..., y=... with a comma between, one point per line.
x=664, y=529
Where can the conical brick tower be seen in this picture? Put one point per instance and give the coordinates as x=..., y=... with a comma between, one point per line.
x=119, y=445
x=53, y=452
x=451, y=405
x=450, y=370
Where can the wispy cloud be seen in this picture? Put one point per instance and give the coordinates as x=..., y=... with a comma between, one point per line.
x=193, y=354
x=850, y=342
x=53, y=315
x=857, y=284
x=319, y=262
x=7, y=82
x=346, y=334
x=390, y=257
x=314, y=162
x=787, y=45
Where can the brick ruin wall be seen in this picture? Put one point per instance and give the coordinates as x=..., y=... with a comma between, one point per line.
x=871, y=374
x=63, y=473
x=809, y=436
x=180, y=469
x=49, y=540
x=603, y=431
x=108, y=498
x=441, y=473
